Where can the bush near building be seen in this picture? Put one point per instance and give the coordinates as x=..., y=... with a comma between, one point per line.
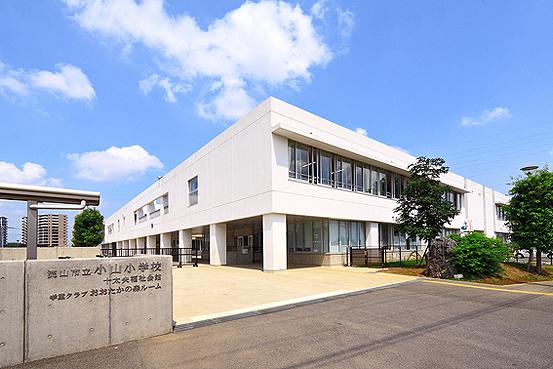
x=476, y=255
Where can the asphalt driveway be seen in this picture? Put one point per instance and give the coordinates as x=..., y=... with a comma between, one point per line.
x=415, y=325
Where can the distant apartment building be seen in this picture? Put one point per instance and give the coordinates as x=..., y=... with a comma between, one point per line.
x=3, y=231
x=52, y=230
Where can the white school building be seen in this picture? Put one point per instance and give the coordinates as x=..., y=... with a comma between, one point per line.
x=283, y=186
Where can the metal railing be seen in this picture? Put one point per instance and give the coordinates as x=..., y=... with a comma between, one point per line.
x=523, y=257
x=385, y=256
x=181, y=255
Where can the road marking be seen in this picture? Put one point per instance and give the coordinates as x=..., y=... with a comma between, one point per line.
x=490, y=288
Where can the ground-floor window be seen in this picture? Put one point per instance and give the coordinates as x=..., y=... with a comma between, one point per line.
x=323, y=235
x=389, y=236
x=446, y=232
x=307, y=235
x=505, y=237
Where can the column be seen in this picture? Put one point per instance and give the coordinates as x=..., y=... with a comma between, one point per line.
x=218, y=244
x=185, y=242
x=274, y=243
x=151, y=243
x=32, y=230
x=140, y=244
x=132, y=246
x=165, y=243
x=372, y=235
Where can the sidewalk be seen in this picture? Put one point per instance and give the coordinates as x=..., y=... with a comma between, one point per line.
x=209, y=292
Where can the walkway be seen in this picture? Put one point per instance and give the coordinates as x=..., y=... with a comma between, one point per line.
x=210, y=292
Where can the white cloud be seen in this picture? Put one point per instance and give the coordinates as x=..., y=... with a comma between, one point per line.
x=332, y=15
x=114, y=163
x=346, y=22
x=268, y=42
x=488, y=116
x=170, y=87
x=68, y=82
x=29, y=174
x=320, y=9
x=361, y=131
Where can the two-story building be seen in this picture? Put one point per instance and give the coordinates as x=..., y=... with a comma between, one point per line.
x=284, y=186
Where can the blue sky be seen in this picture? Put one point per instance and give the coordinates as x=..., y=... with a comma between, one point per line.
x=107, y=95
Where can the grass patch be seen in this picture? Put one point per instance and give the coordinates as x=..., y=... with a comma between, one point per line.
x=406, y=264
x=512, y=273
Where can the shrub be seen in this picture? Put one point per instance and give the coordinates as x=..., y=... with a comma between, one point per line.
x=476, y=255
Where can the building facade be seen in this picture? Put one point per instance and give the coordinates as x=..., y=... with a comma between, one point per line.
x=52, y=230
x=284, y=186
x=3, y=231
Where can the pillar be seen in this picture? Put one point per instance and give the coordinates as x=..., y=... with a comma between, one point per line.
x=140, y=244
x=373, y=239
x=32, y=230
x=185, y=242
x=274, y=243
x=132, y=243
x=218, y=244
x=151, y=243
x=165, y=241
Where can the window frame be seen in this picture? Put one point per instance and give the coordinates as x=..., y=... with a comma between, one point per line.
x=193, y=194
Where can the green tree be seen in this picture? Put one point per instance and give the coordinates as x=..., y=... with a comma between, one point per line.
x=88, y=228
x=422, y=209
x=529, y=213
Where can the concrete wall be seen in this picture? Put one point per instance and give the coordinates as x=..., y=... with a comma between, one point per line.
x=46, y=253
x=73, y=305
x=11, y=312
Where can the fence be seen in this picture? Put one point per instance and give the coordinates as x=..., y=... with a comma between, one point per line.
x=181, y=255
x=386, y=256
x=520, y=257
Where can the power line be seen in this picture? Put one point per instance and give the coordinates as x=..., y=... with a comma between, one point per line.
x=439, y=148
x=530, y=151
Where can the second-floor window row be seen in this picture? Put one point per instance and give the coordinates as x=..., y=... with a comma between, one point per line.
x=317, y=166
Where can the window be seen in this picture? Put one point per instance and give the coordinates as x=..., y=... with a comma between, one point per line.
x=499, y=212
x=302, y=162
x=367, y=179
x=316, y=166
x=399, y=185
x=384, y=235
x=291, y=159
x=338, y=171
x=450, y=231
x=193, y=191
x=334, y=237
x=307, y=234
x=455, y=198
x=359, y=183
x=347, y=173
x=325, y=168
x=110, y=229
x=383, y=183
x=374, y=179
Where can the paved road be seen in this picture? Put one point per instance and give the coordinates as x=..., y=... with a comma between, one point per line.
x=418, y=325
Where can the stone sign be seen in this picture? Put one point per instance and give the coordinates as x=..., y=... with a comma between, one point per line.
x=82, y=304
